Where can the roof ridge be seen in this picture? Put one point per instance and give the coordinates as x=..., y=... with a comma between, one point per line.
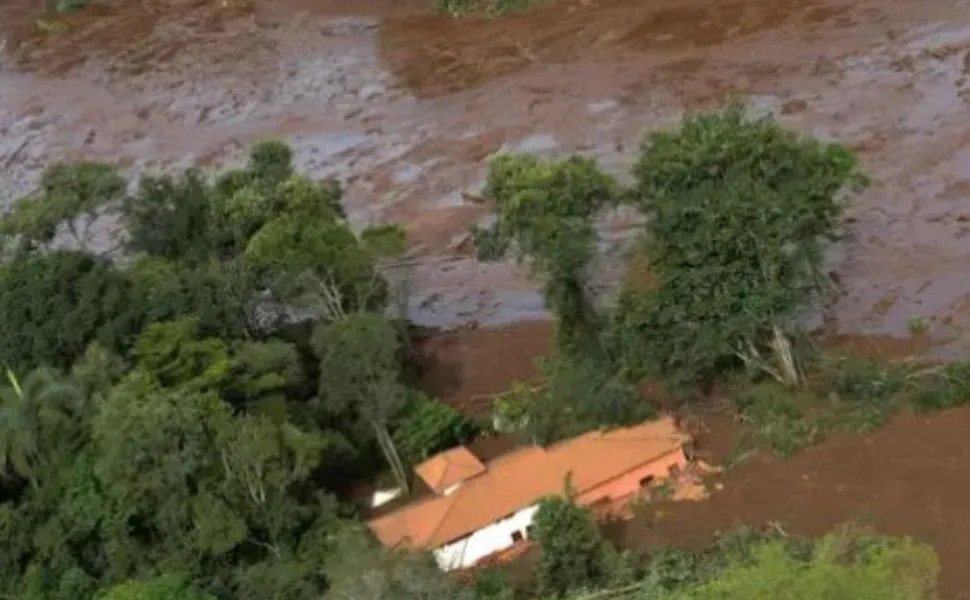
x=452, y=501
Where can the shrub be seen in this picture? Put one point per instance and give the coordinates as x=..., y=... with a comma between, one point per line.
x=571, y=550
x=842, y=566
x=428, y=426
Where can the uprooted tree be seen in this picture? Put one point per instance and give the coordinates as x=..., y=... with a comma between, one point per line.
x=739, y=212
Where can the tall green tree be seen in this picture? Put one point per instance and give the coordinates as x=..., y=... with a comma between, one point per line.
x=52, y=305
x=174, y=354
x=363, y=571
x=223, y=296
x=546, y=214
x=739, y=212
x=360, y=366
x=309, y=257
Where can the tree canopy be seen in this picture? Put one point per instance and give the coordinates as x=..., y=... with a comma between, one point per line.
x=162, y=434
x=190, y=421
x=545, y=214
x=840, y=567
x=739, y=211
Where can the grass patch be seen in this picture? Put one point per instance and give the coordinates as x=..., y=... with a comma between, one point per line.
x=488, y=8
x=917, y=325
x=843, y=394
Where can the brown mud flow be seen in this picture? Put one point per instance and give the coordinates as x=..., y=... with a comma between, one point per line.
x=405, y=106
x=907, y=479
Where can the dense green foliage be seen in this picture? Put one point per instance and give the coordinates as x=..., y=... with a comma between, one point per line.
x=546, y=215
x=162, y=434
x=843, y=394
x=570, y=547
x=490, y=8
x=71, y=196
x=738, y=214
x=53, y=304
x=427, y=426
x=579, y=394
x=745, y=563
x=839, y=567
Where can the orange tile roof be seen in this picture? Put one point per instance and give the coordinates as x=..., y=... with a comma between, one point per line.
x=522, y=478
x=444, y=470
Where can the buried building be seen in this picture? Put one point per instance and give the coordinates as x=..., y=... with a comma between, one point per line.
x=478, y=509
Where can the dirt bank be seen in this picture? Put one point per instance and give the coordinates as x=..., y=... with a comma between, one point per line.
x=405, y=107
x=907, y=479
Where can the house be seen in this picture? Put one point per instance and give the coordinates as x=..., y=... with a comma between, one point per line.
x=478, y=509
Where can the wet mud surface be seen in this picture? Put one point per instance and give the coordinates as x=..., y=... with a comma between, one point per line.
x=907, y=479
x=405, y=107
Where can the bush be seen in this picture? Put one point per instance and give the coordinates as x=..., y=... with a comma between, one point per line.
x=842, y=566
x=428, y=426
x=945, y=388
x=778, y=417
x=53, y=305
x=491, y=8
x=571, y=550
x=580, y=394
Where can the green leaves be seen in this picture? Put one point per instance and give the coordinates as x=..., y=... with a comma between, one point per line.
x=842, y=567
x=739, y=212
x=427, y=426
x=545, y=214
x=363, y=571
x=187, y=439
x=172, y=353
x=360, y=366
x=164, y=587
x=546, y=209
x=70, y=194
x=571, y=551
x=168, y=217
x=39, y=417
x=53, y=305
x=360, y=363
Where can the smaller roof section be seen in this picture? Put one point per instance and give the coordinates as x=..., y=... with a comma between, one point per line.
x=444, y=470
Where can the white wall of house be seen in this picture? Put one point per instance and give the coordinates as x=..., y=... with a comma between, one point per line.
x=486, y=541
x=382, y=497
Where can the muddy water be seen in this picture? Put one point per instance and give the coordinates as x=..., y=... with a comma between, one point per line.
x=405, y=108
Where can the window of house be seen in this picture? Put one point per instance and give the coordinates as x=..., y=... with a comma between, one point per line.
x=646, y=481
x=516, y=536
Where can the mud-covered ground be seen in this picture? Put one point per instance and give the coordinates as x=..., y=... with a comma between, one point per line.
x=908, y=478
x=405, y=107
